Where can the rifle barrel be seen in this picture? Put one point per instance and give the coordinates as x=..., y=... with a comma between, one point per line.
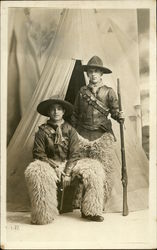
x=124, y=170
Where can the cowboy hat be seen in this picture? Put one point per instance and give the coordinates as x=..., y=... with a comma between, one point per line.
x=44, y=106
x=96, y=62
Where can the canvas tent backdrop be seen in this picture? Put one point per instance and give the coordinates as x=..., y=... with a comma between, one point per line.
x=29, y=36
x=29, y=48
x=29, y=51
x=71, y=47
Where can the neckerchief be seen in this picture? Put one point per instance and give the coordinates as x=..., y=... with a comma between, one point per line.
x=56, y=129
x=95, y=87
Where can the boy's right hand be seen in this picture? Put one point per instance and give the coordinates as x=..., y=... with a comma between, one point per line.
x=66, y=180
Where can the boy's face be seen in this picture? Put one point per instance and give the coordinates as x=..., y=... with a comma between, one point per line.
x=94, y=75
x=56, y=112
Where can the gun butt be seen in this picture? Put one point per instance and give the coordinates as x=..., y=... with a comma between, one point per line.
x=125, y=209
x=125, y=205
x=61, y=204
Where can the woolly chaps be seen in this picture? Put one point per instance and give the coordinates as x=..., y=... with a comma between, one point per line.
x=102, y=151
x=93, y=179
x=95, y=169
x=41, y=183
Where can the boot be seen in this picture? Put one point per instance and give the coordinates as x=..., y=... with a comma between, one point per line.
x=97, y=218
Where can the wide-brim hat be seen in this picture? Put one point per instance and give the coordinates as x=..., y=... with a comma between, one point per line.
x=96, y=62
x=44, y=106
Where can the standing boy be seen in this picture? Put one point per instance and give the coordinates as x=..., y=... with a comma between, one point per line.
x=93, y=104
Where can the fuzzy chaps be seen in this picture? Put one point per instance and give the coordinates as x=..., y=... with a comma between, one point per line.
x=95, y=171
x=41, y=183
x=93, y=179
x=102, y=151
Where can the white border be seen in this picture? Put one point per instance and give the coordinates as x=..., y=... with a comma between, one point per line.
x=153, y=127
x=112, y=4
x=4, y=56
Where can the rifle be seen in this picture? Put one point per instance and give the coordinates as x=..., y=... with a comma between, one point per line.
x=62, y=189
x=65, y=194
x=61, y=186
x=124, y=178
x=66, y=197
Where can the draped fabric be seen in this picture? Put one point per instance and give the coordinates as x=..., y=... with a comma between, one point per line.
x=78, y=38
x=124, y=63
x=28, y=44
x=14, y=116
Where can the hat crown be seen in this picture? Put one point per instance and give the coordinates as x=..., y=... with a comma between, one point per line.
x=95, y=61
x=57, y=97
x=43, y=107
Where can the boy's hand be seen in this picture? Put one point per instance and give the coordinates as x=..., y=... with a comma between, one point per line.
x=121, y=116
x=58, y=173
x=66, y=180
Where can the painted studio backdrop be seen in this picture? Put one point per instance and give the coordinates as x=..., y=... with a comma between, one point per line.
x=45, y=53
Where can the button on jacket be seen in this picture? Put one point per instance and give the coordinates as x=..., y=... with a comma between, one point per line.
x=67, y=149
x=87, y=116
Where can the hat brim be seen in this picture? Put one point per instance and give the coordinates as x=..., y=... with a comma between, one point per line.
x=43, y=107
x=103, y=69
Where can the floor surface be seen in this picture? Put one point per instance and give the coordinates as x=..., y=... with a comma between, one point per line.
x=70, y=231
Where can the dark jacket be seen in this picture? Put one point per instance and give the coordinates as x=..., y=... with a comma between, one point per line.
x=45, y=147
x=87, y=116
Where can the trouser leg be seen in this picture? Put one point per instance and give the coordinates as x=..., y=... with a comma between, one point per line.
x=93, y=178
x=41, y=183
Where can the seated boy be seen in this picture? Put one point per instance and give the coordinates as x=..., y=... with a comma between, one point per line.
x=56, y=152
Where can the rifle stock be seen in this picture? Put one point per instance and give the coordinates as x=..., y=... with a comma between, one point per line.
x=124, y=178
x=62, y=196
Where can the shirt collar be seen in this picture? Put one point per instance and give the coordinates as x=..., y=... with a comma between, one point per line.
x=53, y=125
x=95, y=87
x=98, y=85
